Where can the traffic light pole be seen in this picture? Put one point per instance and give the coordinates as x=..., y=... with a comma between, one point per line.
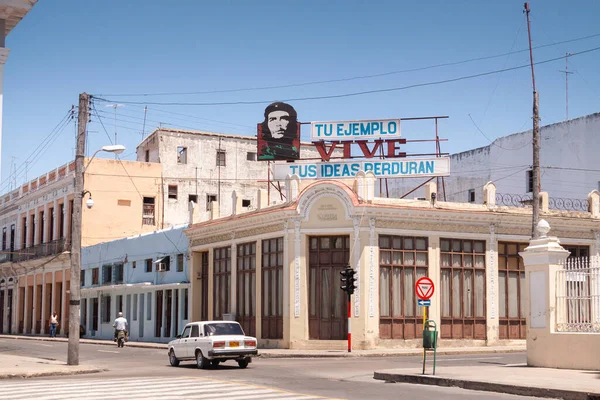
x=349, y=321
x=348, y=287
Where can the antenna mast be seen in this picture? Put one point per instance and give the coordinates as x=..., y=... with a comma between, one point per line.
x=567, y=73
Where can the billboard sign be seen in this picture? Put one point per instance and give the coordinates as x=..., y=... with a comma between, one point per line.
x=278, y=136
x=355, y=130
x=381, y=168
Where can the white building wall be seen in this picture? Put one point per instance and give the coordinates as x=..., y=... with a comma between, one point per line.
x=568, y=157
x=137, y=282
x=200, y=176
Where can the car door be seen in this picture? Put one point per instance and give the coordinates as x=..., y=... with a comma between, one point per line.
x=193, y=340
x=181, y=346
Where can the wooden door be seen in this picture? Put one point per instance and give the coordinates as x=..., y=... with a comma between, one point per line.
x=328, y=256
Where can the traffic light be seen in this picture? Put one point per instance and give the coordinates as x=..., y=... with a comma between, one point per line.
x=348, y=280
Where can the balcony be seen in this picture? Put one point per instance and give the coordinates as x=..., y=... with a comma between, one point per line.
x=39, y=251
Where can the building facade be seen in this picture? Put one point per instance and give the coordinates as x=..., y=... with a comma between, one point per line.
x=204, y=167
x=36, y=224
x=276, y=269
x=568, y=167
x=145, y=277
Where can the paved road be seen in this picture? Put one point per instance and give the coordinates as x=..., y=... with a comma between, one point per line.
x=148, y=374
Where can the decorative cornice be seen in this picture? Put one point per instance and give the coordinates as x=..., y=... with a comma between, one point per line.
x=210, y=239
x=312, y=195
x=261, y=230
x=431, y=225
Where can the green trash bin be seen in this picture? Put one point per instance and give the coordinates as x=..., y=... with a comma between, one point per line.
x=430, y=336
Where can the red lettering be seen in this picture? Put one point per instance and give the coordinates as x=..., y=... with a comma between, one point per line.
x=363, y=144
x=323, y=152
x=391, y=148
x=347, y=150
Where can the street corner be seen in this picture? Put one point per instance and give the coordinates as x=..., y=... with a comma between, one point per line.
x=448, y=380
x=26, y=367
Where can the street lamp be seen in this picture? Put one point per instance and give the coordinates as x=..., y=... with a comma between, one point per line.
x=75, y=287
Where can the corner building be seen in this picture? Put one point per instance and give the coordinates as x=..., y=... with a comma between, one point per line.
x=276, y=269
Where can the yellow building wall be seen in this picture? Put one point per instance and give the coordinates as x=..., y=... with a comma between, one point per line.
x=118, y=188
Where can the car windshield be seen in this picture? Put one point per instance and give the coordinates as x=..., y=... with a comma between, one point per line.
x=218, y=329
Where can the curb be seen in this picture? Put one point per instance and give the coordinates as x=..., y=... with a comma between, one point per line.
x=264, y=353
x=486, y=386
x=54, y=373
x=381, y=355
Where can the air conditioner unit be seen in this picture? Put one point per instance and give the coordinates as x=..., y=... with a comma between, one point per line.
x=161, y=267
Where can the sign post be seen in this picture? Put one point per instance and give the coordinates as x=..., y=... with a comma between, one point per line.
x=424, y=289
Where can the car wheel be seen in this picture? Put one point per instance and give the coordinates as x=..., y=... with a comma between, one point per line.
x=201, y=361
x=172, y=359
x=214, y=363
x=243, y=363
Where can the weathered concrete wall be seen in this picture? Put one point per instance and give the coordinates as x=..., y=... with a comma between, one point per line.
x=567, y=157
x=200, y=176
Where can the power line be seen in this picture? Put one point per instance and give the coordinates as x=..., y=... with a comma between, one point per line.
x=39, y=150
x=350, y=78
x=352, y=94
x=492, y=142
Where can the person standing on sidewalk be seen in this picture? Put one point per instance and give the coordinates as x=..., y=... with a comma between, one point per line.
x=53, y=324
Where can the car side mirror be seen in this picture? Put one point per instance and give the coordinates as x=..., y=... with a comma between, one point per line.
x=178, y=337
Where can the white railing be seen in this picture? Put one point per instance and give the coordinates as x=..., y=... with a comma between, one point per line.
x=578, y=295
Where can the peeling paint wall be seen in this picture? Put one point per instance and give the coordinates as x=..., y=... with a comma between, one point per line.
x=568, y=157
x=201, y=177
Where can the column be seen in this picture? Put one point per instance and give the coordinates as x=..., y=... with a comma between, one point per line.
x=53, y=294
x=64, y=217
x=25, y=304
x=56, y=221
x=44, y=238
x=233, y=282
x=163, y=328
x=64, y=328
x=434, y=312
x=34, y=309
x=18, y=230
x=36, y=225
x=4, y=294
x=174, y=315
x=45, y=313
x=543, y=258
x=492, y=322
x=258, y=289
x=28, y=230
x=16, y=303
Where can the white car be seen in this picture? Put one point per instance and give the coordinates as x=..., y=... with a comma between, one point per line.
x=212, y=342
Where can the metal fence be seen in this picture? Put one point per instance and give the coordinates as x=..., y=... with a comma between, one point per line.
x=578, y=295
x=554, y=203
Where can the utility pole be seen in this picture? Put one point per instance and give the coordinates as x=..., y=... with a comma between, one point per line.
x=567, y=73
x=75, y=296
x=536, y=138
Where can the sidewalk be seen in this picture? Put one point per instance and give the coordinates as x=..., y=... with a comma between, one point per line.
x=296, y=353
x=518, y=379
x=27, y=367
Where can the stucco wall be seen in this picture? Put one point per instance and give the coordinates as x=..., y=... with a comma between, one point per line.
x=137, y=283
x=565, y=350
x=200, y=175
x=567, y=156
x=118, y=188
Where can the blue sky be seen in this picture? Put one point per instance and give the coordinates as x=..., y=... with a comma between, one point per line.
x=66, y=47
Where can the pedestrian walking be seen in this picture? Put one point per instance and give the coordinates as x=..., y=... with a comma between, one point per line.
x=53, y=324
